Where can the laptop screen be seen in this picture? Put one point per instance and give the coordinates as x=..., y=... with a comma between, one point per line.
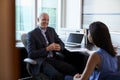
x=75, y=38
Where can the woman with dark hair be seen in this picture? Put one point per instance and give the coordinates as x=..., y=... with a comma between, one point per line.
x=103, y=62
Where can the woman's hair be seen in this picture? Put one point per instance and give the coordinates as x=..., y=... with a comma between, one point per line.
x=101, y=37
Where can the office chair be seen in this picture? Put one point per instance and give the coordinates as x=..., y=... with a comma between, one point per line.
x=29, y=62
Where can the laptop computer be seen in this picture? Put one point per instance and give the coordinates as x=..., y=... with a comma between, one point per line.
x=74, y=40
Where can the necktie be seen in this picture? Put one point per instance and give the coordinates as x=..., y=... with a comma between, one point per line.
x=50, y=53
x=46, y=40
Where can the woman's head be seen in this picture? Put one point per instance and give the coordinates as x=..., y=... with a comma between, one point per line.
x=99, y=33
x=100, y=36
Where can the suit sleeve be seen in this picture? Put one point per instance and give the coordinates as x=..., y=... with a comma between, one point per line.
x=58, y=40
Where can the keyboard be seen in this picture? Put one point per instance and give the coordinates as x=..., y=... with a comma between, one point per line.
x=72, y=45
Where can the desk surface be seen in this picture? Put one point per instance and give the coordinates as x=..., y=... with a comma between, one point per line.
x=75, y=49
x=81, y=49
x=86, y=49
x=19, y=45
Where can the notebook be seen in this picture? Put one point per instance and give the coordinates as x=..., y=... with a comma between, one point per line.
x=74, y=40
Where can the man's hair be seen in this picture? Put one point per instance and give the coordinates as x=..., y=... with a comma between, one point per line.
x=42, y=14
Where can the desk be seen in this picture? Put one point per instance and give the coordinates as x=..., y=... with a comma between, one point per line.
x=84, y=48
x=75, y=57
x=19, y=45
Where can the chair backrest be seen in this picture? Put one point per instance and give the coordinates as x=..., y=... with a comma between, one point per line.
x=24, y=39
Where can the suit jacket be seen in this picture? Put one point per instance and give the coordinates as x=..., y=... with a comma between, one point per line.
x=36, y=45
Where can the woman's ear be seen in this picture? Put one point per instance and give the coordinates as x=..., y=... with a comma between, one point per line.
x=90, y=38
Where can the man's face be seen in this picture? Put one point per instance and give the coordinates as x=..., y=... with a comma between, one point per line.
x=43, y=21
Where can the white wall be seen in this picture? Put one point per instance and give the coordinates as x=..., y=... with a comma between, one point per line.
x=73, y=14
x=71, y=17
x=115, y=38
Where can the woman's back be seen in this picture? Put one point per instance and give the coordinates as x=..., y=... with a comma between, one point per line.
x=103, y=62
x=108, y=65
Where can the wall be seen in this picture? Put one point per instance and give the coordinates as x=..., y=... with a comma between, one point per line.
x=73, y=14
x=116, y=40
x=9, y=68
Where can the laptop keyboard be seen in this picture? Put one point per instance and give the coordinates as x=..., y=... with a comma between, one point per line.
x=72, y=45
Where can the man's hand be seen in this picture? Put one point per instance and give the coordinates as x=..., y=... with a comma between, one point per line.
x=53, y=46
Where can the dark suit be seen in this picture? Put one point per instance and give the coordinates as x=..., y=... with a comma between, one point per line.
x=36, y=50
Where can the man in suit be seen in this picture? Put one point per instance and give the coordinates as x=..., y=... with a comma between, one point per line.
x=42, y=45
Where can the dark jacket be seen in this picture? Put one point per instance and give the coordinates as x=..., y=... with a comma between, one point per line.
x=36, y=46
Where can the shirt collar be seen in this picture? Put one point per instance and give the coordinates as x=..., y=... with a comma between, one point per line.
x=43, y=30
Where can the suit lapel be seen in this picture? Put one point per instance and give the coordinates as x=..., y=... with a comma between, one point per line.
x=41, y=37
x=49, y=37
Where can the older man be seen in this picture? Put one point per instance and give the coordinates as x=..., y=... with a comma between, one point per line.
x=43, y=43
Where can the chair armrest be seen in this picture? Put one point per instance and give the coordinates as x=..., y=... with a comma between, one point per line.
x=60, y=54
x=31, y=61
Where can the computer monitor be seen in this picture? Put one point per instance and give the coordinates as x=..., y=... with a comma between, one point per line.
x=75, y=38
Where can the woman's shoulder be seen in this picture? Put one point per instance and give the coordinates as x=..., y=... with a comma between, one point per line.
x=102, y=52
x=95, y=55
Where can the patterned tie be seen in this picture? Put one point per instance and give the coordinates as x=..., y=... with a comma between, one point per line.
x=46, y=40
x=50, y=53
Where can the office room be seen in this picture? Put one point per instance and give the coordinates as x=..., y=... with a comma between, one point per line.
x=65, y=17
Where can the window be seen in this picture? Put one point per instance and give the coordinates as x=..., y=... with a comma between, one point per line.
x=27, y=12
x=51, y=8
x=70, y=17
x=107, y=11
x=24, y=16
